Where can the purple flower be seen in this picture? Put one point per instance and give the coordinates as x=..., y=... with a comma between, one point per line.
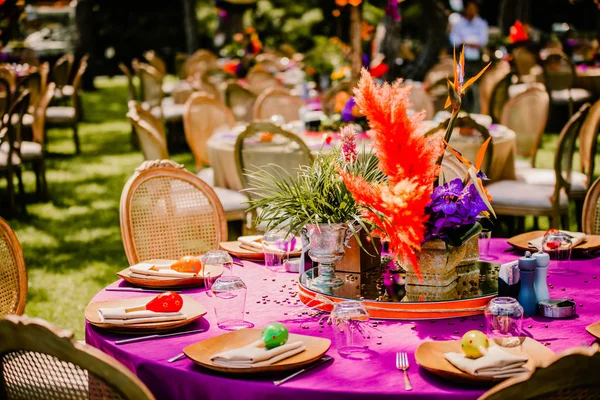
x=444, y=197
x=286, y=245
x=347, y=110
x=391, y=10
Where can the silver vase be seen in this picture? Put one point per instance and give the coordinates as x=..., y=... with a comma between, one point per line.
x=326, y=246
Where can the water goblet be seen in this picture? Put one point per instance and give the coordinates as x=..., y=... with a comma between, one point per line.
x=558, y=245
x=504, y=320
x=350, y=322
x=229, y=302
x=277, y=245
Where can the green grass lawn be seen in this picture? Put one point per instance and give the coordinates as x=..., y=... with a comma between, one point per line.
x=72, y=241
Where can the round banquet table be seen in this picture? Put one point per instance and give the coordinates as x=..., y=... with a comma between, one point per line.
x=341, y=379
x=589, y=78
x=222, y=159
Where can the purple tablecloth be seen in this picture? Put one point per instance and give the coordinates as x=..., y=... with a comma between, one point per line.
x=343, y=379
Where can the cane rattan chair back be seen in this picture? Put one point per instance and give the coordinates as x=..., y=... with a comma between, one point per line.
x=150, y=84
x=39, y=118
x=203, y=84
x=588, y=141
x=559, y=71
x=523, y=61
x=33, y=83
x=168, y=212
x=157, y=62
x=13, y=274
x=240, y=100
x=527, y=114
x=152, y=141
x=499, y=98
x=284, y=149
x=276, y=101
x=40, y=362
x=198, y=63
x=5, y=96
x=8, y=74
x=15, y=119
x=572, y=374
x=44, y=70
x=77, y=81
x=591, y=210
x=488, y=81
x=201, y=116
x=259, y=79
x=62, y=70
x=146, y=115
x=130, y=85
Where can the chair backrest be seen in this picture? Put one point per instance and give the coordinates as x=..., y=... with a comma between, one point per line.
x=527, y=114
x=168, y=212
x=15, y=120
x=488, y=81
x=151, y=139
x=146, y=115
x=5, y=96
x=33, y=83
x=259, y=79
x=588, y=141
x=201, y=116
x=8, y=74
x=13, y=274
x=523, y=60
x=276, y=101
x=157, y=62
x=130, y=85
x=563, y=157
x=240, y=100
x=283, y=148
x=499, y=98
x=572, y=374
x=421, y=101
x=39, y=118
x=77, y=80
x=44, y=74
x=150, y=84
x=201, y=83
x=62, y=70
x=559, y=71
x=591, y=210
x=199, y=62
x=39, y=361
x=440, y=71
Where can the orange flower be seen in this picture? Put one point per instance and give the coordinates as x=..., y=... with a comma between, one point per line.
x=341, y=3
x=354, y=3
x=366, y=30
x=340, y=100
x=408, y=158
x=456, y=89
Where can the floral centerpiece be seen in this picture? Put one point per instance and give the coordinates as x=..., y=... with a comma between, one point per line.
x=427, y=221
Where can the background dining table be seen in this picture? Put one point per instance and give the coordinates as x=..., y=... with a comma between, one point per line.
x=222, y=158
x=272, y=296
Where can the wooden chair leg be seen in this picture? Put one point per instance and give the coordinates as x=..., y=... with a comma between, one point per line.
x=19, y=173
x=76, y=138
x=564, y=218
x=579, y=213
x=554, y=221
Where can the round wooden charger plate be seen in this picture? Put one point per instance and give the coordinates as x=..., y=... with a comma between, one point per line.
x=201, y=352
x=235, y=250
x=594, y=330
x=521, y=241
x=430, y=356
x=191, y=308
x=167, y=282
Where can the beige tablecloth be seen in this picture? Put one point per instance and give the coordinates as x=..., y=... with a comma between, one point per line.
x=589, y=80
x=222, y=159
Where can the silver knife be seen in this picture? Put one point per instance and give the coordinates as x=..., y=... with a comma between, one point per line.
x=137, y=289
x=321, y=361
x=156, y=336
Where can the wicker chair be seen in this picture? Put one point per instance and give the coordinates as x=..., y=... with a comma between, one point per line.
x=155, y=61
x=148, y=130
x=41, y=362
x=13, y=285
x=588, y=142
x=527, y=114
x=44, y=70
x=499, y=98
x=535, y=195
x=276, y=101
x=591, y=210
x=69, y=115
x=131, y=91
x=168, y=212
x=33, y=83
x=572, y=374
x=151, y=80
x=5, y=97
x=240, y=100
x=523, y=61
x=7, y=73
x=199, y=62
x=559, y=77
x=203, y=84
x=61, y=71
x=487, y=83
x=260, y=79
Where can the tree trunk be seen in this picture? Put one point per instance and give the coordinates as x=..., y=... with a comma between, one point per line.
x=189, y=25
x=355, y=31
x=391, y=47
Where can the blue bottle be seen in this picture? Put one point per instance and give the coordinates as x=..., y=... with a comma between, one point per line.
x=540, y=284
x=527, y=298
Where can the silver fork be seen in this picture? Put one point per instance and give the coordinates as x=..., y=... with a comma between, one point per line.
x=402, y=364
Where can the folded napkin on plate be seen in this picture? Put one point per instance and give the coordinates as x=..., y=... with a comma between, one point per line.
x=253, y=243
x=252, y=356
x=496, y=363
x=576, y=238
x=118, y=316
x=149, y=270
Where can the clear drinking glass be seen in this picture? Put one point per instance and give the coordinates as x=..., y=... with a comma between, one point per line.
x=216, y=260
x=484, y=244
x=351, y=331
x=277, y=246
x=504, y=318
x=229, y=302
x=558, y=245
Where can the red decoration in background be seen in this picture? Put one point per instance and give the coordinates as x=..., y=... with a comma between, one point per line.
x=165, y=302
x=518, y=33
x=379, y=70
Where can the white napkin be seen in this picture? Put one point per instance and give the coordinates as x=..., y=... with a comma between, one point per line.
x=118, y=316
x=496, y=363
x=576, y=238
x=253, y=243
x=158, y=268
x=252, y=356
